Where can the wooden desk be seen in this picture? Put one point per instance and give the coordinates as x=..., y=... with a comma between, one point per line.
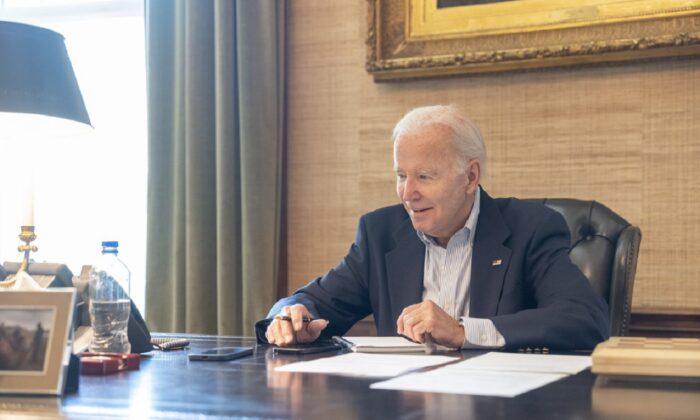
x=168, y=385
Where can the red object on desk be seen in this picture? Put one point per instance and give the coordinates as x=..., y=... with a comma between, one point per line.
x=106, y=363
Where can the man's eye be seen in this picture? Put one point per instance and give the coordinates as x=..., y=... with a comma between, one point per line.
x=401, y=176
x=424, y=177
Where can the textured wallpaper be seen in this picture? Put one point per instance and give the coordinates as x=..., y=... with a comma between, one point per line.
x=627, y=135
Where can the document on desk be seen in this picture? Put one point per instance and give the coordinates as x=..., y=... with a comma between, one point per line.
x=470, y=382
x=492, y=374
x=366, y=364
x=523, y=362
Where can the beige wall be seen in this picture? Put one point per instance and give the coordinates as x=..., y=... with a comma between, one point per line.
x=627, y=135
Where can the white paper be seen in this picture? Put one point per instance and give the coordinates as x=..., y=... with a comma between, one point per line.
x=474, y=382
x=22, y=282
x=492, y=374
x=367, y=364
x=519, y=362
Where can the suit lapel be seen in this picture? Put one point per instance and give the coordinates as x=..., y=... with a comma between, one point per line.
x=490, y=260
x=404, y=265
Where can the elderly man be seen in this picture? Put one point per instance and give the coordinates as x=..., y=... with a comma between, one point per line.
x=449, y=264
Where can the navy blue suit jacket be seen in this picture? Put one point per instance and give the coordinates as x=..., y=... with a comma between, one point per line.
x=536, y=297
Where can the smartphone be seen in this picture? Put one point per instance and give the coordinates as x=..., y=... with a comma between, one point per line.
x=222, y=353
x=310, y=348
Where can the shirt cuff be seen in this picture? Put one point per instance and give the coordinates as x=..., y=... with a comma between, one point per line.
x=481, y=333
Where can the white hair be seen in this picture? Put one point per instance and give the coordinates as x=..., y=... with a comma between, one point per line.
x=467, y=136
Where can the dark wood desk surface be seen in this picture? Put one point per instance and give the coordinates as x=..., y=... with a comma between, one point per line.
x=168, y=385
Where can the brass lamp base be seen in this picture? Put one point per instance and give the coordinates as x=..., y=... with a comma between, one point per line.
x=26, y=235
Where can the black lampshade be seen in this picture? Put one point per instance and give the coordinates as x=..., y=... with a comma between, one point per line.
x=36, y=75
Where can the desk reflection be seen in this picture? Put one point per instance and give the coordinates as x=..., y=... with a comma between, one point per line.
x=30, y=407
x=290, y=387
x=444, y=406
x=646, y=399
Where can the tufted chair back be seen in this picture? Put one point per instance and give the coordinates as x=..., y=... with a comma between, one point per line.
x=605, y=247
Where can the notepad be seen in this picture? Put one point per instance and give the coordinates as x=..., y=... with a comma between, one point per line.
x=381, y=345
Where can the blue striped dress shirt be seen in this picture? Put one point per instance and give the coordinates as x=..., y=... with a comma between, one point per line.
x=446, y=277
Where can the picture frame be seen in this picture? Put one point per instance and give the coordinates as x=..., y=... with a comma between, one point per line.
x=35, y=340
x=428, y=38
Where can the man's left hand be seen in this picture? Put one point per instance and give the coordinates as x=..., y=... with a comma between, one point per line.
x=426, y=320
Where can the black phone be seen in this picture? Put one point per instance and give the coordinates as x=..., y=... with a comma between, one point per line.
x=222, y=353
x=309, y=348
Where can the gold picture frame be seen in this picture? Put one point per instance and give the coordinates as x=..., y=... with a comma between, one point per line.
x=35, y=346
x=416, y=38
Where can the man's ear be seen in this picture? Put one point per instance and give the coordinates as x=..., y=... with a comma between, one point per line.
x=473, y=175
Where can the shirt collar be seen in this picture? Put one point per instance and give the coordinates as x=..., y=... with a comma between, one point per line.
x=469, y=225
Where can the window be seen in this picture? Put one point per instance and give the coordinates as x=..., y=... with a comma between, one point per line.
x=89, y=186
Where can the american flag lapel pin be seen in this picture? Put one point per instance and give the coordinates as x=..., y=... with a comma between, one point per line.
x=496, y=263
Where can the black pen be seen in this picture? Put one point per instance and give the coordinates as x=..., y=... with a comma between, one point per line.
x=289, y=318
x=410, y=339
x=342, y=342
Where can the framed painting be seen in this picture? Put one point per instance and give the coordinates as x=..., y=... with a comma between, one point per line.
x=425, y=38
x=35, y=328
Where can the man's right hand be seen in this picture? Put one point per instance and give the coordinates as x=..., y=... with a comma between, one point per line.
x=287, y=333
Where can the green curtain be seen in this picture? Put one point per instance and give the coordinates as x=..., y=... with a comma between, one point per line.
x=215, y=71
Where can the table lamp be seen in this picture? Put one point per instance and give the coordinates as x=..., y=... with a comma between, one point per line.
x=36, y=77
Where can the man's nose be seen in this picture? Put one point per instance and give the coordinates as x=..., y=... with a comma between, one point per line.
x=410, y=193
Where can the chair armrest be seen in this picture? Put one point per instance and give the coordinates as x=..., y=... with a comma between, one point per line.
x=623, y=272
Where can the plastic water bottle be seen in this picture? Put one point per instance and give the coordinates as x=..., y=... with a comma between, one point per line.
x=109, y=302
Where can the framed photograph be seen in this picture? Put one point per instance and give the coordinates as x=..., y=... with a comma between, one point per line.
x=425, y=38
x=35, y=328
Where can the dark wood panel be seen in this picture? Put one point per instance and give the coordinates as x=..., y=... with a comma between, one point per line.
x=665, y=325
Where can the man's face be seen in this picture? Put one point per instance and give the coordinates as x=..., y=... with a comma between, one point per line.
x=436, y=194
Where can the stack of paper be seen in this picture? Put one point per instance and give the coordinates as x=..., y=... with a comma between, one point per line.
x=493, y=374
x=368, y=365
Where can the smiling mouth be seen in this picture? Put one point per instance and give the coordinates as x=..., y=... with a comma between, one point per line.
x=418, y=211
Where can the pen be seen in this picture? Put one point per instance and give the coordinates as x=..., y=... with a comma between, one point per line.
x=288, y=318
x=409, y=339
x=342, y=342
